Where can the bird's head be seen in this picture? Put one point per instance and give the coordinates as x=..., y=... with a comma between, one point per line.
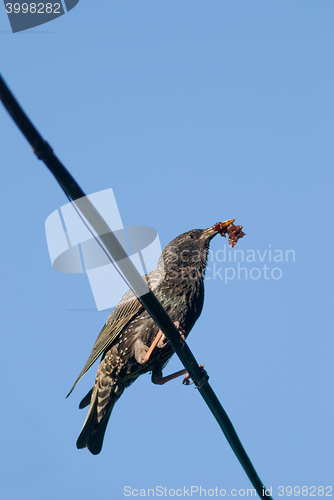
x=190, y=249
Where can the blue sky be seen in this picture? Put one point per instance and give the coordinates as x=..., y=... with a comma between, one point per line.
x=192, y=112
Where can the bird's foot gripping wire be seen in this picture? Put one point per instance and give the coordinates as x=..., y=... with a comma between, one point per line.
x=181, y=332
x=179, y=328
x=203, y=380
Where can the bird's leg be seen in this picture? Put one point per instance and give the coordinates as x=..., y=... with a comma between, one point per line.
x=160, y=337
x=203, y=380
x=146, y=357
x=158, y=379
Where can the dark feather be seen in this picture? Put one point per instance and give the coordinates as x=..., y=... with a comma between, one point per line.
x=126, y=309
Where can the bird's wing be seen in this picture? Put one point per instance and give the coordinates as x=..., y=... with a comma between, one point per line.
x=126, y=309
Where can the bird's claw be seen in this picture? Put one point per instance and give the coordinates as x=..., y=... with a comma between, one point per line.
x=163, y=341
x=181, y=332
x=203, y=380
x=186, y=380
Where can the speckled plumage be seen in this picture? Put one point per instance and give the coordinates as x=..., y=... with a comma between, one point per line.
x=129, y=331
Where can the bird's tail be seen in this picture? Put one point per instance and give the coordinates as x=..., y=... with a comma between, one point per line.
x=94, y=427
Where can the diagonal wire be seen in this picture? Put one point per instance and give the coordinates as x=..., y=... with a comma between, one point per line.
x=115, y=252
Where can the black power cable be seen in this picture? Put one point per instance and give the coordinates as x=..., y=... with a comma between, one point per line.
x=115, y=252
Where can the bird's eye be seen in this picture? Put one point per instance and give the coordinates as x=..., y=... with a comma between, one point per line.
x=190, y=236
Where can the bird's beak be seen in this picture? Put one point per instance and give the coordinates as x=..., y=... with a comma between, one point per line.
x=219, y=227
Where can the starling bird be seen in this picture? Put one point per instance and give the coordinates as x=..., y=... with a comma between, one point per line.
x=130, y=341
